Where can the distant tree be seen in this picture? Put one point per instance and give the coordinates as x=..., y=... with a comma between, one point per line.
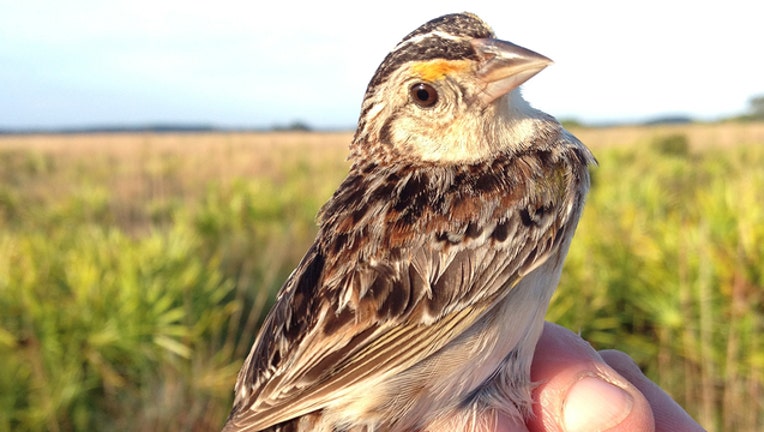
x=295, y=126
x=669, y=119
x=756, y=107
x=299, y=126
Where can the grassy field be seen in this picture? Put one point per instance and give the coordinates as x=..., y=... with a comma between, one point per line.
x=134, y=269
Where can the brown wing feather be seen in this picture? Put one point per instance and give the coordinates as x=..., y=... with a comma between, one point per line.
x=385, y=280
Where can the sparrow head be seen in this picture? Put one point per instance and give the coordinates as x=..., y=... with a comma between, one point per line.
x=448, y=93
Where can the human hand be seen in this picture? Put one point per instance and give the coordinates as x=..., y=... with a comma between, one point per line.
x=580, y=389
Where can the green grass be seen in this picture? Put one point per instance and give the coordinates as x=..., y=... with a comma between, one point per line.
x=134, y=270
x=667, y=266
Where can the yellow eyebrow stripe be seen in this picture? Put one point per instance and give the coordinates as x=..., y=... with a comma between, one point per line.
x=434, y=70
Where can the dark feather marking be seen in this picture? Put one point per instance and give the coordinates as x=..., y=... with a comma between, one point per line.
x=359, y=213
x=473, y=230
x=500, y=232
x=339, y=243
x=304, y=298
x=443, y=288
x=396, y=300
x=525, y=217
x=464, y=25
x=415, y=187
x=385, y=132
x=486, y=182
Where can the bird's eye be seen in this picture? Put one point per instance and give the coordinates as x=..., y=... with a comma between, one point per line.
x=424, y=95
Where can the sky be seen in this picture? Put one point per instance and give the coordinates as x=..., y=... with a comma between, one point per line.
x=256, y=63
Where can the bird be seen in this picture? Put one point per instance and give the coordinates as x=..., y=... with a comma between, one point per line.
x=420, y=302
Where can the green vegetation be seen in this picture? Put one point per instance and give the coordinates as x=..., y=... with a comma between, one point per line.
x=667, y=266
x=134, y=272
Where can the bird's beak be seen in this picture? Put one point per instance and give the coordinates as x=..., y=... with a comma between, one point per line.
x=504, y=66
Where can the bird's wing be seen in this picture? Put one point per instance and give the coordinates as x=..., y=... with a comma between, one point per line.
x=340, y=322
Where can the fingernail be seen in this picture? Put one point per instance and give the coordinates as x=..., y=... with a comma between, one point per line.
x=593, y=404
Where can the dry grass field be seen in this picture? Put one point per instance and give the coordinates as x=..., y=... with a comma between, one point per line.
x=135, y=268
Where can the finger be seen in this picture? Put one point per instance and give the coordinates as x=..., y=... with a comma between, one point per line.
x=577, y=391
x=669, y=415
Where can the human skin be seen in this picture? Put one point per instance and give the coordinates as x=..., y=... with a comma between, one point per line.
x=580, y=389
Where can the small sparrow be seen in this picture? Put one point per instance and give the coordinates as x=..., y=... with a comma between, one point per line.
x=419, y=305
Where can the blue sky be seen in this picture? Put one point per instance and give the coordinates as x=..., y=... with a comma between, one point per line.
x=256, y=64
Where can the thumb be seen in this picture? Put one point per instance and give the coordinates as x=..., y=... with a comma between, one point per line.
x=577, y=391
